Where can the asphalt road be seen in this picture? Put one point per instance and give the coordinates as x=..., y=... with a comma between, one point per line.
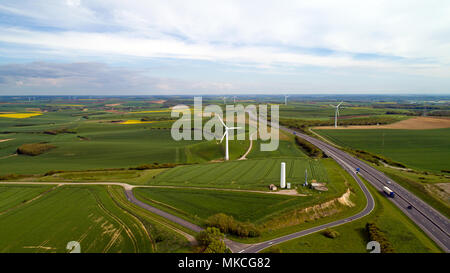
x=432, y=222
x=173, y=218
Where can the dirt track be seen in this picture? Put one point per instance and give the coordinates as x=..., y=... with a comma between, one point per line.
x=417, y=123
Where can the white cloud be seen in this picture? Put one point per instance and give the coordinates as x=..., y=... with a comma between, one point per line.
x=403, y=36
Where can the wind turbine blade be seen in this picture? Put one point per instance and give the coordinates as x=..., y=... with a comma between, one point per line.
x=221, y=121
x=339, y=104
x=226, y=132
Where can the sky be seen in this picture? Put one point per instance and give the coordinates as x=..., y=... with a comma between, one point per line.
x=112, y=47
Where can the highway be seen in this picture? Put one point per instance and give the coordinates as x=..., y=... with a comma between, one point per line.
x=432, y=222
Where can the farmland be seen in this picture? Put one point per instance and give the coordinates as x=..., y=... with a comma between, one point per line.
x=248, y=174
x=99, y=146
x=420, y=149
x=129, y=140
x=89, y=213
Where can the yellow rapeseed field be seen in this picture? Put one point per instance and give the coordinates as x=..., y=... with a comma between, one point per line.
x=135, y=121
x=20, y=115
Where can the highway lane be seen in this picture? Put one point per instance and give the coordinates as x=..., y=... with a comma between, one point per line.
x=432, y=222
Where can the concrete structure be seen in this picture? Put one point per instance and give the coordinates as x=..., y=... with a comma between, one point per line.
x=283, y=175
x=272, y=187
x=306, y=178
x=288, y=185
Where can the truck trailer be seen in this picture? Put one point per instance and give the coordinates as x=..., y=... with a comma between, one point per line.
x=388, y=191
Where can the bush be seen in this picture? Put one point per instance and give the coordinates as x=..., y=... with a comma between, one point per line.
x=227, y=224
x=60, y=131
x=375, y=234
x=52, y=172
x=309, y=148
x=155, y=165
x=10, y=176
x=330, y=233
x=34, y=149
x=211, y=241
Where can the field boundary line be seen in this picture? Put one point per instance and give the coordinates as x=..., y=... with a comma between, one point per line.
x=29, y=201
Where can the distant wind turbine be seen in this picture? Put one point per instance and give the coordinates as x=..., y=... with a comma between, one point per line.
x=234, y=99
x=224, y=100
x=225, y=135
x=336, y=114
x=285, y=99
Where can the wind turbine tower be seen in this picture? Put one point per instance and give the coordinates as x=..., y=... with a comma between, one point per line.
x=283, y=175
x=336, y=114
x=224, y=100
x=285, y=99
x=225, y=135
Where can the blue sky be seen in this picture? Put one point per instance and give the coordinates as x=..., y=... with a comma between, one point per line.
x=224, y=47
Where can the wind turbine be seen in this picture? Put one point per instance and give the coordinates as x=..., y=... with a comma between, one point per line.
x=234, y=99
x=336, y=114
x=225, y=135
x=285, y=99
x=224, y=100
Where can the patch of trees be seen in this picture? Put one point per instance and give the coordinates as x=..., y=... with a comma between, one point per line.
x=376, y=234
x=34, y=149
x=227, y=224
x=440, y=113
x=60, y=131
x=155, y=165
x=11, y=176
x=330, y=233
x=404, y=106
x=309, y=148
x=407, y=113
x=211, y=240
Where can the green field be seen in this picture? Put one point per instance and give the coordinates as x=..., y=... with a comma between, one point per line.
x=321, y=111
x=419, y=149
x=108, y=146
x=92, y=145
x=197, y=205
x=70, y=213
x=403, y=234
x=245, y=174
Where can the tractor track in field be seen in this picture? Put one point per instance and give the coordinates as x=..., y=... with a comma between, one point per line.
x=29, y=201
